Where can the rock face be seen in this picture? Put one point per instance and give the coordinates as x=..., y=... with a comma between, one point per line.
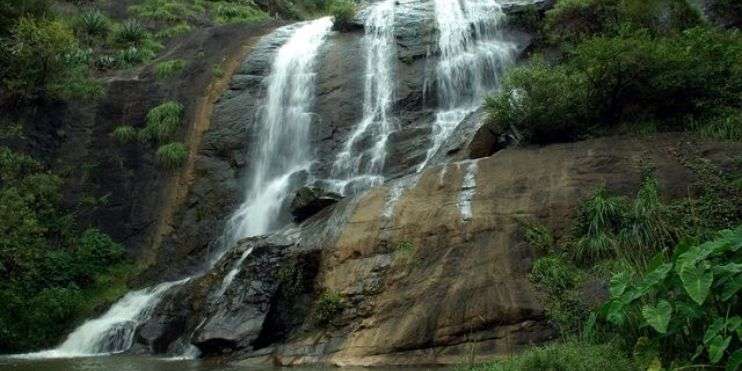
x=311, y=200
x=431, y=269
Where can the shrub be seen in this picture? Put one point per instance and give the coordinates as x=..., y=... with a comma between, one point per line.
x=573, y=20
x=170, y=11
x=163, y=122
x=132, y=56
x=328, y=306
x=571, y=355
x=172, y=156
x=93, y=23
x=238, y=13
x=537, y=236
x=344, y=11
x=168, y=69
x=34, y=57
x=125, y=134
x=130, y=33
x=685, y=308
x=553, y=273
x=528, y=104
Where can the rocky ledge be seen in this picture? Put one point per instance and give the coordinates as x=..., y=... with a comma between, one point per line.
x=430, y=269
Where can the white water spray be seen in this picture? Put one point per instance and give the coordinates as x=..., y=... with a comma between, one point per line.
x=472, y=58
x=468, y=189
x=113, y=332
x=361, y=168
x=283, y=138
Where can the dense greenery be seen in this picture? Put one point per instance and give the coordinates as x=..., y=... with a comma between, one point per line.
x=52, y=272
x=625, y=65
x=674, y=273
x=328, y=306
x=572, y=356
x=172, y=156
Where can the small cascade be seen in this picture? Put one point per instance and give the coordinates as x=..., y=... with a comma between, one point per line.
x=395, y=193
x=233, y=272
x=468, y=189
x=358, y=168
x=283, y=145
x=473, y=56
x=113, y=332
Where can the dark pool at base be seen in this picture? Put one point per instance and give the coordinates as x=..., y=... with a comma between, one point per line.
x=129, y=363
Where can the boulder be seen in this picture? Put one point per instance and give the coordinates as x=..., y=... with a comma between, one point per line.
x=311, y=200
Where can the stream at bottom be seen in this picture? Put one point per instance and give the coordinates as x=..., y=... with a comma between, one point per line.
x=140, y=363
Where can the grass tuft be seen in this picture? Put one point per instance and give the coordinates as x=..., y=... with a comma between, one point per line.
x=172, y=156
x=125, y=134
x=168, y=69
x=163, y=122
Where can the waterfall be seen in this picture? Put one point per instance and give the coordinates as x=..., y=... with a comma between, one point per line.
x=283, y=145
x=113, y=332
x=468, y=189
x=356, y=168
x=472, y=58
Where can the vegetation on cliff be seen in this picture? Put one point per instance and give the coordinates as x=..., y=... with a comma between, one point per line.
x=624, y=66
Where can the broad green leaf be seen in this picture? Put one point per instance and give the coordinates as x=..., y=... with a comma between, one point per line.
x=730, y=289
x=716, y=327
x=697, y=282
x=658, y=316
x=716, y=348
x=735, y=361
x=614, y=312
x=731, y=268
x=655, y=365
x=653, y=279
x=618, y=283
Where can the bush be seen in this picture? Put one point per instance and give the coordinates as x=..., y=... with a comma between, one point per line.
x=172, y=156
x=35, y=58
x=686, y=308
x=572, y=356
x=93, y=23
x=327, y=308
x=168, y=69
x=163, y=122
x=238, y=13
x=571, y=21
x=48, y=270
x=125, y=134
x=528, y=104
x=344, y=11
x=553, y=273
x=130, y=33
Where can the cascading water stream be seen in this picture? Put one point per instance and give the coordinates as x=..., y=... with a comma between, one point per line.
x=357, y=169
x=283, y=137
x=473, y=56
x=113, y=332
x=284, y=150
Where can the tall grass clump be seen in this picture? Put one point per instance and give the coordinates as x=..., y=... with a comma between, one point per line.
x=93, y=23
x=168, y=69
x=571, y=355
x=172, y=156
x=163, y=122
x=238, y=13
x=125, y=134
x=131, y=32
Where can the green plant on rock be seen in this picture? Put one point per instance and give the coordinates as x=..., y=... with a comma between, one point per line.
x=343, y=11
x=163, y=122
x=328, y=307
x=227, y=13
x=172, y=156
x=687, y=306
x=125, y=134
x=168, y=69
x=130, y=33
x=93, y=23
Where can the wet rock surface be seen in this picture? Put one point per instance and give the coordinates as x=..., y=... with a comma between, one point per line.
x=309, y=201
x=422, y=284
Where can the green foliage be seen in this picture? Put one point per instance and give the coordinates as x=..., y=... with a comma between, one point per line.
x=42, y=58
x=404, y=252
x=554, y=274
x=48, y=270
x=688, y=304
x=173, y=31
x=238, y=13
x=168, y=69
x=570, y=355
x=130, y=33
x=328, y=307
x=344, y=11
x=125, y=134
x=537, y=236
x=93, y=23
x=163, y=122
x=627, y=65
x=172, y=156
